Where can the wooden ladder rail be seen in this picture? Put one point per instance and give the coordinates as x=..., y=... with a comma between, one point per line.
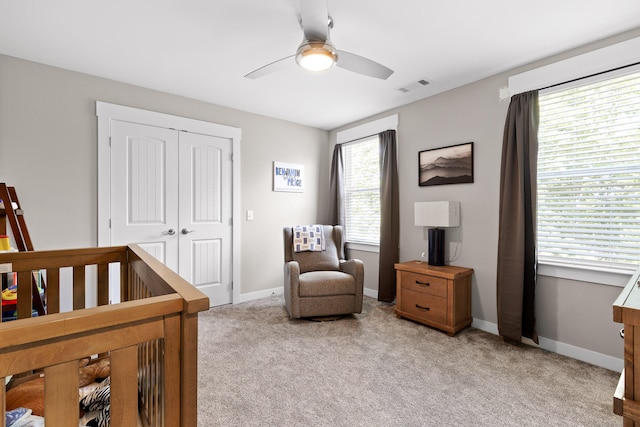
x=12, y=210
x=15, y=215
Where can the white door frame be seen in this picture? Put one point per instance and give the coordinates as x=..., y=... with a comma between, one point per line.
x=106, y=112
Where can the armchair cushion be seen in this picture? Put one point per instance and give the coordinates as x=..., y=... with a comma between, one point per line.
x=324, y=283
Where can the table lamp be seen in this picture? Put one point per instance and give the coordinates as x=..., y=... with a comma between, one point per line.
x=436, y=215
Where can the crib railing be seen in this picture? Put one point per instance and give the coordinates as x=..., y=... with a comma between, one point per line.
x=151, y=336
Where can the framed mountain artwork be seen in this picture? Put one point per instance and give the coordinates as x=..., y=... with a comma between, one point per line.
x=446, y=165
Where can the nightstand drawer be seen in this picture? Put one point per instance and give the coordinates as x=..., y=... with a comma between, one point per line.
x=425, y=284
x=426, y=306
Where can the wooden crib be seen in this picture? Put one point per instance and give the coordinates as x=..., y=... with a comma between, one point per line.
x=150, y=334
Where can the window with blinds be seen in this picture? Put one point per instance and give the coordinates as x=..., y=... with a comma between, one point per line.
x=362, y=190
x=589, y=174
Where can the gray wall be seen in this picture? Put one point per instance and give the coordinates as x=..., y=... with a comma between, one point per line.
x=569, y=313
x=370, y=260
x=48, y=151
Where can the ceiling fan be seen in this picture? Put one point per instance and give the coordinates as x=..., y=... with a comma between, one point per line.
x=316, y=53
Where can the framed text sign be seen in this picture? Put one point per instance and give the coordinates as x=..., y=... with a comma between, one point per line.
x=288, y=177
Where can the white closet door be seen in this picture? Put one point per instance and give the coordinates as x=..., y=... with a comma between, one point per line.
x=144, y=189
x=205, y=214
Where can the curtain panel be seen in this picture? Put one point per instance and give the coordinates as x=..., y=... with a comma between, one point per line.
x=336, y=188
x=389, y=216
x=516, y=275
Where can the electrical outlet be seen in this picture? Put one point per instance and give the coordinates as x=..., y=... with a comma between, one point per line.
x=249, y=215
x=6, y=268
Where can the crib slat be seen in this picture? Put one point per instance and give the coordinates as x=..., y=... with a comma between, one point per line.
x=78, y=287
x=103, y=284
x=3, y=406
x=53, y=290
x=189, y=369
x=124, y=282
x=124, y=386
x=24, y=294
x=61, y=394
x=172, y=371
x=143, y=379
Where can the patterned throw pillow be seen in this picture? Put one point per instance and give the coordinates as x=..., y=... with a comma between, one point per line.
x=308, y=238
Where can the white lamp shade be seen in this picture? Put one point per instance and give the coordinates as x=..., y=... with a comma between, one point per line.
x=437, y=214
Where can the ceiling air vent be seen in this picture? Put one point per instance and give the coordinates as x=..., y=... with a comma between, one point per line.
x=413, y=86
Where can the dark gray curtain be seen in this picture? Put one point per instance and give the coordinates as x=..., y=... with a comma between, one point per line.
x=336, y=188
x=517, y=222
x=389, y=216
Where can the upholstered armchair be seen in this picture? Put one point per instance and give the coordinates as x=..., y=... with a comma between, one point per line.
x=319, y=281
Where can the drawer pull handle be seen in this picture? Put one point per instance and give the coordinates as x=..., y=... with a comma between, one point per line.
x=419, y=307
x=423, y=283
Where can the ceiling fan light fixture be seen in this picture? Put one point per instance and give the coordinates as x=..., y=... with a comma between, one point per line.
x=316, y=56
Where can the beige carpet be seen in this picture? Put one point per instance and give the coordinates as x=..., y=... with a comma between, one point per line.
x=258, y=368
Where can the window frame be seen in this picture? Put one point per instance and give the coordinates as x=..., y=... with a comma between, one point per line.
x=610, y=57
x=345, y=146
x=358, y=132
x=572, y=268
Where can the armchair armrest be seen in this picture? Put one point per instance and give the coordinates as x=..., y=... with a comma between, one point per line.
x=355, y=267
x=291, y=273
x=292, y=287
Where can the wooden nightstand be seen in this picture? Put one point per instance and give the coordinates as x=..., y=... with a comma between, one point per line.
x=436, y=296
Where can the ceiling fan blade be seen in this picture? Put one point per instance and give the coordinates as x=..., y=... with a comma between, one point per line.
x=269, y=68
x=361, y=65
x=314, y=18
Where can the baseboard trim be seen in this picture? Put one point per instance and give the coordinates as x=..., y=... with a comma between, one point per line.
x=579, y=353
x=251, y=296
x=483, y=325
x=370, y=293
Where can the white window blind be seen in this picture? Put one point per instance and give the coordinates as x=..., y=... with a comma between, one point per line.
x=589, y=175
x=362, y=190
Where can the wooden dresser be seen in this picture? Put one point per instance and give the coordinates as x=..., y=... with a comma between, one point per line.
x=626, y=310
x=436, y=296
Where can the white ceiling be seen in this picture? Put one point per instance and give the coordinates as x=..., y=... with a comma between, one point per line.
x=203, y=48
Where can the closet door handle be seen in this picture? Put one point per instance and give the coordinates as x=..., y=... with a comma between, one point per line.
x=170, y=232
x=185, y=231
